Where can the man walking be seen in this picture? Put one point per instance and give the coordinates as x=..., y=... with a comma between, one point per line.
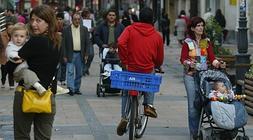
x=75, y=43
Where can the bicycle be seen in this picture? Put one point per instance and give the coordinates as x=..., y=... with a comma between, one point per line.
x=137, y=84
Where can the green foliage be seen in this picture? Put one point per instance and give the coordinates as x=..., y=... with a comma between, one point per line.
x=249, y=74
x=214, y=33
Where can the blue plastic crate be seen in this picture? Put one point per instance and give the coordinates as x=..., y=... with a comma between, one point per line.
x=135, y=81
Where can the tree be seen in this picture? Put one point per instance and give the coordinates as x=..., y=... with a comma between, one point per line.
x=214, y=33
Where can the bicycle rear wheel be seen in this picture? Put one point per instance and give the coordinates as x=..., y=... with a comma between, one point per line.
x=132, y=119
x=142, y=119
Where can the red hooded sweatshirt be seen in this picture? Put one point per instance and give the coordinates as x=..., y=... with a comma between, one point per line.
x=141, y=48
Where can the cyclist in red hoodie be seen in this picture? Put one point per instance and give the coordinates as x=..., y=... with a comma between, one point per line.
x=140, y=50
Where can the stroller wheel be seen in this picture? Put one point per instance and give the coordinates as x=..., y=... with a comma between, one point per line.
x=101, y=68
x=245, y=138
x=103, y=92
x=98, y=90
x=240, y=138
x=210, y=138
x=201, y=137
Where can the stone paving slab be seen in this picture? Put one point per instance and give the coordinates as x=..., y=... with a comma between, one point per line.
x=73, y=137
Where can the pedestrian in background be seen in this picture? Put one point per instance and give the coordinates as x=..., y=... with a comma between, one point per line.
x=108, y=31
x=41, y=52
x=125, y=19
x=61, y=74
x=185, y=17
x=196, y=49
x=208, y=14
x=132, y=15
x=165, y=25
x=180, y=29
x=88, y=22
x=67, y=15
x=75, y=41
x=10, y=16
x=2, y=61
x=220, y=18
x=62, y=70
x=5, y=38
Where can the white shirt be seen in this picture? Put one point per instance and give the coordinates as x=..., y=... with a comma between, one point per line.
x=12, y=50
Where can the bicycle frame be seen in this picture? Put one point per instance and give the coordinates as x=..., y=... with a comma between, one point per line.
x=140, y=82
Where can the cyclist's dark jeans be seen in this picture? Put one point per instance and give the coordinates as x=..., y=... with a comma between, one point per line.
x=148, y=99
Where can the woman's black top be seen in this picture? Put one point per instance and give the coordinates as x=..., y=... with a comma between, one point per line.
x=42, y=58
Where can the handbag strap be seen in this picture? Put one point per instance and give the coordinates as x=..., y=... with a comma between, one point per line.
x=54, y=80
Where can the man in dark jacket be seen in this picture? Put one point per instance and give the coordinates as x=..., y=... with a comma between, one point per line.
x=108, y=31
x=75, y=43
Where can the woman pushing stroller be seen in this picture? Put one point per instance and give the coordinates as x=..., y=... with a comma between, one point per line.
x=195, y=54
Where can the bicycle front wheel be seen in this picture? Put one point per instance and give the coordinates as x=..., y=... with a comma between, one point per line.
x=132, y=119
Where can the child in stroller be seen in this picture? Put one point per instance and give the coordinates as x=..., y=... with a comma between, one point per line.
x=221, y=93
x=110, y=61
x=225, y=115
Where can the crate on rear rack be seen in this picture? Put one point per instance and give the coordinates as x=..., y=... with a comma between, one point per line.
x=135, y=81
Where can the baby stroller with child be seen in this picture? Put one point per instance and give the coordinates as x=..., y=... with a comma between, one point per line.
x=219, y=120
x=109, y=62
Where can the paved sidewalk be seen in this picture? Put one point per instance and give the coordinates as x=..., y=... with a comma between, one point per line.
x=87, y=117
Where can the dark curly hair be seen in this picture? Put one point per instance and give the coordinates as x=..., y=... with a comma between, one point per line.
x=193, y=23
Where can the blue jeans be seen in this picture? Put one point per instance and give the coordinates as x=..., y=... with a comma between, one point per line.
x=191, y=87
x=148, y=99
x=74, y=72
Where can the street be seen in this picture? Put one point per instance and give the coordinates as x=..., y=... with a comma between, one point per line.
x=88, y=117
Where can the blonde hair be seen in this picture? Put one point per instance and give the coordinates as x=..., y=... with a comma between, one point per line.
x=19, y=26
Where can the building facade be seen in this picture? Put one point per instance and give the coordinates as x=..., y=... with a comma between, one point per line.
x=230, y=9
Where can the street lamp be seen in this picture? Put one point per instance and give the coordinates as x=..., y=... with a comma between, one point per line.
x=242, y=58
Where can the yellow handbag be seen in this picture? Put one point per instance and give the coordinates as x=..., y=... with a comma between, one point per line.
x=34, y=103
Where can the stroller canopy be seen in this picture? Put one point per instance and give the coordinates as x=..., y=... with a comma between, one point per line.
x=213, y=75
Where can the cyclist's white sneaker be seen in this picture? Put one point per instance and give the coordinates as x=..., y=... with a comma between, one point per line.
x=121, y=129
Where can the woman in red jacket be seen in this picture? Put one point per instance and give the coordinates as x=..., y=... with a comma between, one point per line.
x=196, y=52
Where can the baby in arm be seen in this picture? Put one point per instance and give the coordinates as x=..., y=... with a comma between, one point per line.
x=19, y=35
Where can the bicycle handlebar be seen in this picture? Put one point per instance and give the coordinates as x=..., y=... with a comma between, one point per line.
x=159, y=70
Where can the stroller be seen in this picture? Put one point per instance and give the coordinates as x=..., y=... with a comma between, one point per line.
x=213, y=125
x=109, y=62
